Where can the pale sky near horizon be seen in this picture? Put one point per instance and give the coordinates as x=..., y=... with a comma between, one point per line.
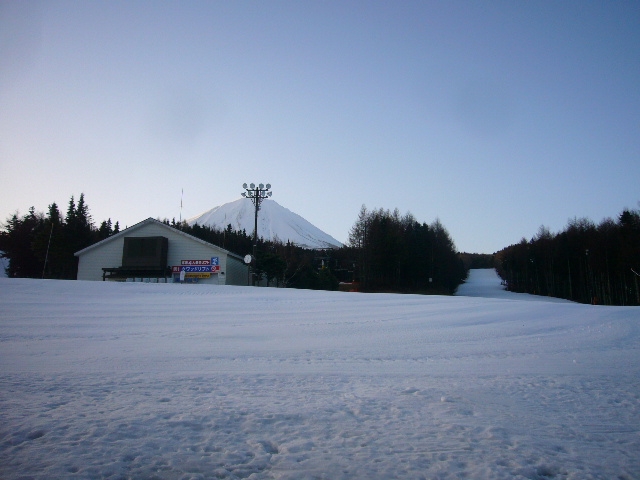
x=494, y=116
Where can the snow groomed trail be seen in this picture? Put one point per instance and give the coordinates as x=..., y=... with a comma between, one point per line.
x=486, y=283
x=105, y=380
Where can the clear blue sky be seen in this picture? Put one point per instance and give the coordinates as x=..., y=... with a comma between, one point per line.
x=495, y=117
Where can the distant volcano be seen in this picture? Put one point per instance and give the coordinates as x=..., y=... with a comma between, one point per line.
x=274, y=222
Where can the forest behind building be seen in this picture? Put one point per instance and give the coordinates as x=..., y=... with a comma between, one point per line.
x=386, y=252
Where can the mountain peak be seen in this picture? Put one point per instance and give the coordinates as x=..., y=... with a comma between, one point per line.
x=275, y=222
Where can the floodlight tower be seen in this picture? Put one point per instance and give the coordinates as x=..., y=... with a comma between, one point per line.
x=257, y=194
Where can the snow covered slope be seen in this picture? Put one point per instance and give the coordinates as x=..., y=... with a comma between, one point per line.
x=169, y=381
x=274, y=221
x=485, y=282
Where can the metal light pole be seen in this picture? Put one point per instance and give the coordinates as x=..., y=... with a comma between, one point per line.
x=257, y=194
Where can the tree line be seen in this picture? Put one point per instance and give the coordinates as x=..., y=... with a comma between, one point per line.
x=40, y=245
x=386, y=251
x=396, y=253
x=585, y=262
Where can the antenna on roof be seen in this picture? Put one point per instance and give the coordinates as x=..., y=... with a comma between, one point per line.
x=181, y=195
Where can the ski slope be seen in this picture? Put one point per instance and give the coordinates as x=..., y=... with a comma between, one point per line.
x=122, y=380
x=487, y=284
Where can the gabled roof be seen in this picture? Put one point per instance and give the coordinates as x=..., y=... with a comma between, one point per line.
x=148, y=221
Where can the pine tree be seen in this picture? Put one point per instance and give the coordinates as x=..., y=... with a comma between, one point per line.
x=105, y=230
x=17, y=243
x=38, y=245
x=49, y=244
x=396, y=253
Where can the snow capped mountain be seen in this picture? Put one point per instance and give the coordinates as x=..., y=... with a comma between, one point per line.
x=274, y=222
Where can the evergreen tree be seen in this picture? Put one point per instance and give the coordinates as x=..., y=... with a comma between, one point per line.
x=38, y=245
x=396, y=253
x=584, y=262
x=49, y=245
x=17, y=243
x=105, y=230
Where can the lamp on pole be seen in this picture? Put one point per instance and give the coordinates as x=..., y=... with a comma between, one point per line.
x=257, y=193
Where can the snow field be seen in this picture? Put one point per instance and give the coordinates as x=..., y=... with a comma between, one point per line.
x=103, y=380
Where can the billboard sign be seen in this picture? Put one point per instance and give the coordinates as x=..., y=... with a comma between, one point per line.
x=212, y=261
x=198, y=266
x=195, y=268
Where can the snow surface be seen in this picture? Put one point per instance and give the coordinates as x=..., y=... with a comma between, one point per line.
x=274, y=222
x=124, y=380
x=486, y=283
